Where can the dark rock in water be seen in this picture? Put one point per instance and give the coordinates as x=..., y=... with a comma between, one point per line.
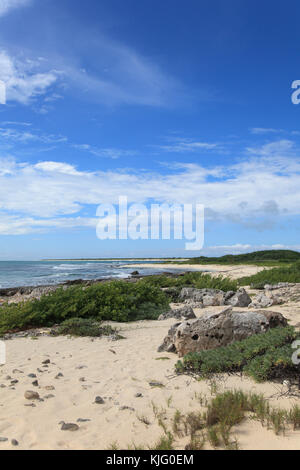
x=135, y=273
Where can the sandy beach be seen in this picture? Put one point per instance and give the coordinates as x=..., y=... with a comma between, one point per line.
x=120, y=372
x=232, y=271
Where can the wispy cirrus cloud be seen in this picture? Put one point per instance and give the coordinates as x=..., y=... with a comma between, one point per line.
x=7, y=5
x=181, y=145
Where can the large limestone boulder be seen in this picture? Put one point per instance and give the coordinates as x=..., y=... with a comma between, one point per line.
x=213, y=330
x=214, y=297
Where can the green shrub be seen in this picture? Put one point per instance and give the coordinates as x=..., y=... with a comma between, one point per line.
x=272, y=276
x=198, y=280
x=84, y=327
x=264, y=356
x=117, y=301
x=267, y=257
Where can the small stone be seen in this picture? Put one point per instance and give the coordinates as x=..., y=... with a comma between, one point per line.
x=82, y=379
x=138, y=395
x=99, y=401
x=156, y=384
x=49, y=387
x=30, y=395
x=47, y=397
x=31, y=376
x=59, y=375
x=3, y=439
x=14, y=442
x=14, y=382
x=69, y=427
x=32, y=405
x=35, y=383
x=82, y=420
x=47, y=361
x=123, y=408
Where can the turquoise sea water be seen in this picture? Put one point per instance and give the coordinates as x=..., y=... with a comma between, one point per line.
x=36, y=273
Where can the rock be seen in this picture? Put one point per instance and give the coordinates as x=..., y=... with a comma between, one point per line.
x=29, y=395
x=69, y=426
x=239, y=299
x=185, y=312
x=135, y=273
x=82, y=420
x=123, y=408
x=138, y=395
x=49, y=388
x=59, y=375
x=156, y=384
x=48, y=397
x=213, y=330
x=47, y=361
x=14, y=382
x=264, y=300
x=168, y=342
x=14, y=442
x=35, y=383
x=99, y=401
x=32, y=376
x=3, y=439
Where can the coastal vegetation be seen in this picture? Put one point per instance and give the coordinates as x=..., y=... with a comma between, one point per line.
x=266, y=356
x=214, y=423
x=289, y=273
x=118, y=301
x=198, y=280
x=266, y=258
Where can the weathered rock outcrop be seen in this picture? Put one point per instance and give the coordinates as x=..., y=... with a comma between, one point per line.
x=266, y=299
x=213, y=330
x=186, y=312
x=213, y=297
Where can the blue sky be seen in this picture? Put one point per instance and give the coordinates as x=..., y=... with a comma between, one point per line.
x=185, y=102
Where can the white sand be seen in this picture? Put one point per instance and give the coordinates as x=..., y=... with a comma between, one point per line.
x=117, y=378
x=234, y=271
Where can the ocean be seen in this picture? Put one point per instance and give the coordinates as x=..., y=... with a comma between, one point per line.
x=37, y=273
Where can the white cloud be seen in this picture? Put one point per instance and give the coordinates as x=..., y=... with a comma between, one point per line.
x=7, y=5
x=187, y=145
x=23, y=80
x=253, y=193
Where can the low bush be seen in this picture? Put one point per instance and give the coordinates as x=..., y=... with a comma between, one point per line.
x=198, y=280
x=84, y=327
x=117, y=301
x=272, y=276
x=264, y=357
